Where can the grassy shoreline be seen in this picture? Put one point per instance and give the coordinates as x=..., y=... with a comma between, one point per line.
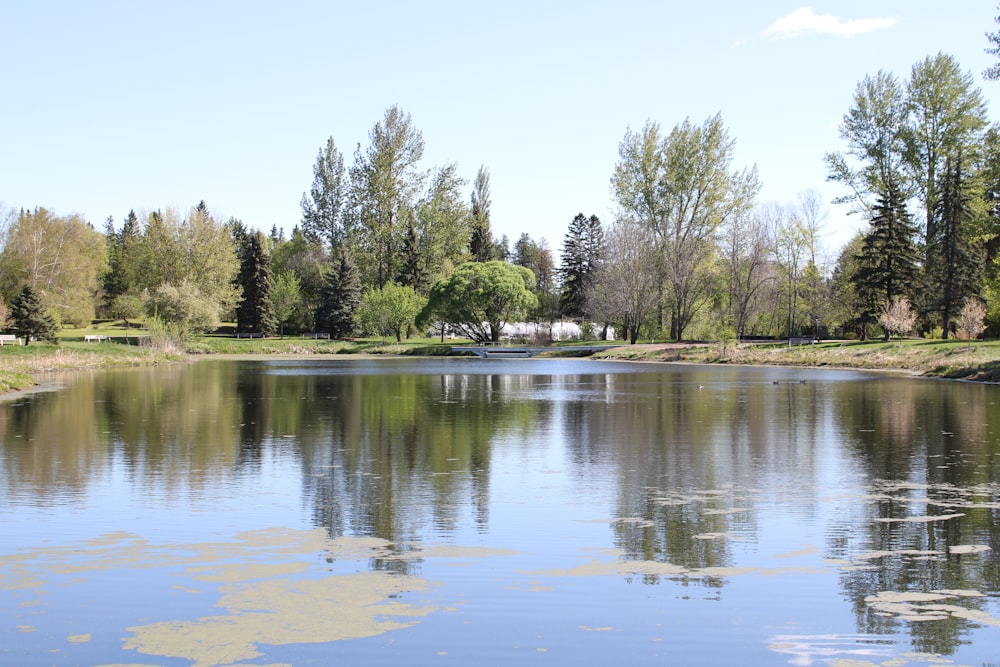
x=20, y=367
x=957, y=360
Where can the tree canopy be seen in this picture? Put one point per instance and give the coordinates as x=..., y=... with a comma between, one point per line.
x=479, y=298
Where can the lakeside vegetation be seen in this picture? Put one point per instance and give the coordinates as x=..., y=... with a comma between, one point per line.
x=21, y=367
x=386, y=247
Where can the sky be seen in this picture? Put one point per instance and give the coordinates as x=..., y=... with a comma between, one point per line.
x=113, y=106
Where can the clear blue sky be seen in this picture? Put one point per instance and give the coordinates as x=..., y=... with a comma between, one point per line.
x=111, y=106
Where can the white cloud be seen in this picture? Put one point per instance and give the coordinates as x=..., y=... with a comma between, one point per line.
x=805, y=21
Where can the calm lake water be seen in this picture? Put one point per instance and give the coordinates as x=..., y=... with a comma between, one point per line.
x=491, y=512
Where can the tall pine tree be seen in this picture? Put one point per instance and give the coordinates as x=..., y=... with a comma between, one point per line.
x=255, y=314
x=339, y=298
x=581, y=256
x=412, y=272
x=31, y=318
x=888, y=263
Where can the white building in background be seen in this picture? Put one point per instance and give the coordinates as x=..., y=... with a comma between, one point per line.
x=557, y=331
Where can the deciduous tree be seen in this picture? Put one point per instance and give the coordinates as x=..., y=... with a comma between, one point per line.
x=62, y=258
x=481, y=240
x=323, y=207
x=897, y=317
x=947, y=117
x=286, y=298
x=683, y=188
x=391, y=309
x=479, y=298
x=185, y=307
x=954, y=253
x=443, y=226
x=385, y=180
x=625, y=287
x=746, y=246
x=874, y=130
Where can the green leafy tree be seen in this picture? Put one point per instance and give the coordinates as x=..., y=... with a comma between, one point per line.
x=481, y=241
x=197, y=250
x=31, y=317
x=309, y=262
x=385, y=180
x=339, y=298
x=479, y=298
x=947, y=117
x=184, y=307
x=874, y=129
x=889, y=262
x=62, y=258
x=443, y=228
x=537, y=257
x=993, y=72
x=682, y=187
x=255, y=313
x=391, y=309
x=126, y=307
x=5, y=319
x=845, y=303
x=324, y=207
x=286, y=298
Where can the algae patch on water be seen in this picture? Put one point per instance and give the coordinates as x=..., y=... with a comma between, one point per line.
x=285, y=611
x=273, y=587
x=937, y=605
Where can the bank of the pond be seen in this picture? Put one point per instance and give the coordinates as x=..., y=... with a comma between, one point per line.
x=22, y=367
x=978, y=361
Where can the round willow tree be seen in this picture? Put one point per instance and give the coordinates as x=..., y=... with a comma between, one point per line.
x=479, y=298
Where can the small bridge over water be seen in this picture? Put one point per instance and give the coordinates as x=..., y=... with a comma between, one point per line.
x=522, y=352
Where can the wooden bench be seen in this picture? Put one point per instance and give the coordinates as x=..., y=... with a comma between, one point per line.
x=9, y=339
x=95, y=338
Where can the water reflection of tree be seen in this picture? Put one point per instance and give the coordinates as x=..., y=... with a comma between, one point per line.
x=392, y=455
x=170, y=427
x=690, y=456
x=926, y=450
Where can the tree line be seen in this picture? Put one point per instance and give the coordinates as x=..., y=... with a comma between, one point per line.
x=387, y=246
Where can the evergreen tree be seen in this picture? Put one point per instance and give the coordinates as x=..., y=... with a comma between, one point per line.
x=31, y=318
x=255, y=314
x=954, y=258
x=581, y=257
x=412, y=273
x=339, y=298
x=888, y=263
